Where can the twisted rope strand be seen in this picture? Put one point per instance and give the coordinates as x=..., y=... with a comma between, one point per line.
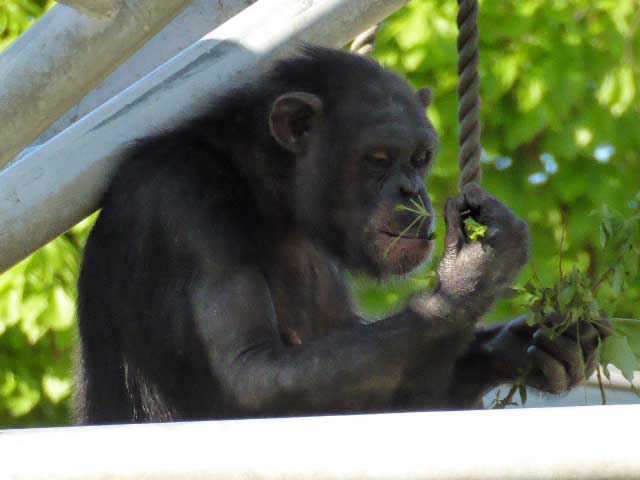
x=469, y=92
x=468, y=86
x=364, y=43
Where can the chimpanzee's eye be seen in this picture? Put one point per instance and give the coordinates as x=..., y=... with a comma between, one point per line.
x=380, y=158
x=421, y=159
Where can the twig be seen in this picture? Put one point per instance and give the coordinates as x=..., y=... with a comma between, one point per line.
x=535, y=273
x=603, y=394
x=512, y=392
x=564, y=228
x=608, y=272
x=365, y=43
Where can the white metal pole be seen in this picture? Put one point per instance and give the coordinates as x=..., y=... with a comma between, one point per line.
x=94, y=7
x=584, y=443
x=58, y=184
x=62, y=57
x=195, y=21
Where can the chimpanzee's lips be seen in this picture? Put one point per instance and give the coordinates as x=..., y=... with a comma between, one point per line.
x=406, y=237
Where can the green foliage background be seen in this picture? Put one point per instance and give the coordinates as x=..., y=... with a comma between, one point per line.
x=561, y=122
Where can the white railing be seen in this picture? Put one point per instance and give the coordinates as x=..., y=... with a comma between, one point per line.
x=58, y=184
x=555, y=443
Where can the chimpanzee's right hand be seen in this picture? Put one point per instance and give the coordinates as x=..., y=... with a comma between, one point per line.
x=472, y=274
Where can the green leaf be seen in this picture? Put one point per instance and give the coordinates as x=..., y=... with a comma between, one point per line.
x=8, y=383
x=606, y=221
x=475, y=230
x=25, y=397
x=617, y=351
x=56, y=388
x=630, y=328
x=3, y=21
x=618, y=280
x=566, y=295
x=603, y=236
x=630, y=322
x=9, y=309
x=62, y=310
x=632, y=263
x=627, y=90
x=32, y=309
x=530, y=287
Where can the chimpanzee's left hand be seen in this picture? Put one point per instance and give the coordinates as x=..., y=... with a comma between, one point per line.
x=555, y=363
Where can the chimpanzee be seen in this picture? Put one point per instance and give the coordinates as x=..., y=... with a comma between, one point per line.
x=213, y=281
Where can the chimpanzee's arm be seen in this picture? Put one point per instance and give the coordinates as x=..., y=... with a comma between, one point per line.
x=363, y=368
x=477, y=371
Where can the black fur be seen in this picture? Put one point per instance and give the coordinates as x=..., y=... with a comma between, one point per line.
x=212, y=284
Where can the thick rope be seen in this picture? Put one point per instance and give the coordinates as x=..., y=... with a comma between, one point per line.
x=468, y=86
x=469, y=92
x=364, y=43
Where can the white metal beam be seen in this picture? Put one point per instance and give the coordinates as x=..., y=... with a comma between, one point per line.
x=555, y=443
x=195, y=21
x=94, y=7
x=58, y=184
x=62, y=57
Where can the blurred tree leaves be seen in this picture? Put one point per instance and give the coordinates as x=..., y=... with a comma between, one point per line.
x=561, y=121
x=18, y=15
x=38, y=333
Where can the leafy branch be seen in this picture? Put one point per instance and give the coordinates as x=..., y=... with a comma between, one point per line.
x=575, y=297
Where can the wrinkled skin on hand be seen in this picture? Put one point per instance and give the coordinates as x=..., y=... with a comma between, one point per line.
x=473, y=274
x=553, y=362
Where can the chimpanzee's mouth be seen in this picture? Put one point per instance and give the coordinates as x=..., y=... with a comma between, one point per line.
x=431, y=236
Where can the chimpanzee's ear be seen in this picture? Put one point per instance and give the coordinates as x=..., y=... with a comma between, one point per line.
x=424, y=96
x=291, y=118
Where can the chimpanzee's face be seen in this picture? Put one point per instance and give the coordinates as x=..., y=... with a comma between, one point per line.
x=389, y=148
x=359, y=186
x=397, y=230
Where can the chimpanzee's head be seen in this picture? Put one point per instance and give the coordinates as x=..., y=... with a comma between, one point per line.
x=362, y=147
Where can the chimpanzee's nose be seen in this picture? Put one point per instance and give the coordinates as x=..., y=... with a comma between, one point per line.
x=409, y=187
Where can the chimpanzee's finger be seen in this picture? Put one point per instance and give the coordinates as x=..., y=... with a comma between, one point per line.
x=547, y=374
x=454, y=237
x=564, y=350
x=521, y=328
x=555, y=345
x=584, y=333
x=553, y=319
x=604, y=327
x=485, y=208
